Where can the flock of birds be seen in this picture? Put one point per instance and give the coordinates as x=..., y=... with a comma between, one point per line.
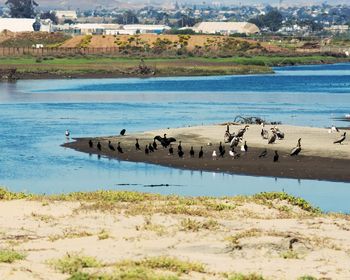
x=233, y=139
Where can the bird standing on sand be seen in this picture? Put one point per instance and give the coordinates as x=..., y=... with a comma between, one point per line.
x=200, y=155
x=137, y=145
x=235, y=141
x=233, y=154
x=110, y=146
x=341, y=140
x=90, y=143
x=220, y=148
x=171, y=150
x=263, y=154
x=179, y=147
x=120, y=150
x=192, y=152
x=244, y=148
x=297, y=149
x=222, y=152
x=276, y=157
x=99, y=147
x=154, y=144
x=122, y=132
x=180, y=153
x=146, y=150
x=279, y=133
x=264, y=133
x=273, y=137
x=214, y=155
x=150, y=147
x=241, y=132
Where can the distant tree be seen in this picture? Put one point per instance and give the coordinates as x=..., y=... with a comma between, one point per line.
x=185, y=21
x=126, y=18
x=68, y=21
x=22, y=8
x=272, y=20
x=49, y=15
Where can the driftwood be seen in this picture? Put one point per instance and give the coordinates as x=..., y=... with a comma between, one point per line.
x=252, y=120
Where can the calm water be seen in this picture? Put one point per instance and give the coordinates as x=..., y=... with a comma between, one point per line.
x=35, y=114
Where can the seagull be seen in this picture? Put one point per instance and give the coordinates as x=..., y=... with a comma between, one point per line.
x=276, y=157
x=200, y=155
x=214, y=155
x=110, y=146
x=235, y=141
x=90, y=143
x=122, y=132
x=264, y=133
x=137, y=145
x=263, y=154
x=120, y=150
x=279, y=133
x=67, y=133
x=334, y=128
x=297, y=149
x=341, y=140
x=233, y=154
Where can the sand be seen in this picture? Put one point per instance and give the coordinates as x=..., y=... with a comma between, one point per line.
x=46, y=230
x=319, y=159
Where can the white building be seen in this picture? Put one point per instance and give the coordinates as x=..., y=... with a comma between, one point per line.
x=225, y=28
x=63, y=15
x=23, y=25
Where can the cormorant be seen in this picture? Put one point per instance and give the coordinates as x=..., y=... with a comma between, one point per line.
x=90, y=143
x=146, y=150
x=222, y=153
x=273, y=137
x=164, y=141
x=154, y=144
x=235, y=141
x=244, y=148
x=99, y=145
x=276, y=157
x=297, y=149
x=122, y=132
x=341, y=140
x=120, y=150
x=137, y=145
x=179, y=147
x=110, y=146
x=180, y=153
x=200, y=155
x=220, y=148
x=263, y=154
x=150, y=147
x=241, y=132
x=279, y=133
x=192, y=152
x=171, y=150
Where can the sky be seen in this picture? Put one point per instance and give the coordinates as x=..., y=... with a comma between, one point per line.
x=88, y=4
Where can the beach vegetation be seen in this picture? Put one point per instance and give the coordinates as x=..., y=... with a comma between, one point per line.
x=194, y=225
x=150, y=226
x=290, y=254
x=307, y=277
x=9, y=256
x=70, y=234
x=72, y=263
x=239, y=276
x=103, y=234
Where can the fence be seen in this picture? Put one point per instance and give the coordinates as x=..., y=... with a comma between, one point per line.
x=8, y=51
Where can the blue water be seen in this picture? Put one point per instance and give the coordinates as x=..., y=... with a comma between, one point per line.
x=35, y=114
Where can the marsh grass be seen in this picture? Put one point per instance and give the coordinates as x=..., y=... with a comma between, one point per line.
x=9, y=256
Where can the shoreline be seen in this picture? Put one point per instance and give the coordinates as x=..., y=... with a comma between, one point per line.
x=313, y=163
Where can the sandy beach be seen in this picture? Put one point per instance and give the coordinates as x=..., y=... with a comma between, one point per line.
x=319, y=158
x=121, y=234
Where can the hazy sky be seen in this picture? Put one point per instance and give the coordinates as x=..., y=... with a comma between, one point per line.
x=86, y=4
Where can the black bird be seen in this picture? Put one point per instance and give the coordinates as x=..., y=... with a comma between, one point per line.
x=110, y=146
x=221, y=154
x=192, y=152
x=90, y=143
x=245, y=146
x=200, y=155
x=99, y=145
x=122, y=132
x=171, y=150
x=137, y=145
x=154, y=144
x=273, y=137
x=297, y=149
x=120, y=150
x=263, y=154
x=180, y=153
x=164, y=141
x=341, y=140
x=146, y=150
x=241, y=132
x=221, y=148
x=179, y=148
x=150, y=147
x=276, y=157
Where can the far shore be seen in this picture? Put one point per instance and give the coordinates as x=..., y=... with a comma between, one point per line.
x=319, y=159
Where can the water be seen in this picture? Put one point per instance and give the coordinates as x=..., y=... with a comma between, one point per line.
x=35, y=114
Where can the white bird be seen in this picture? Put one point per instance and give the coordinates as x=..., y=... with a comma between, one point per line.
x=67, y=133
x=334, y=128
x=214, y=155
x=232, y=154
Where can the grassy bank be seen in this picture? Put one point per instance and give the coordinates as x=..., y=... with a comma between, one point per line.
x=79, y=66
